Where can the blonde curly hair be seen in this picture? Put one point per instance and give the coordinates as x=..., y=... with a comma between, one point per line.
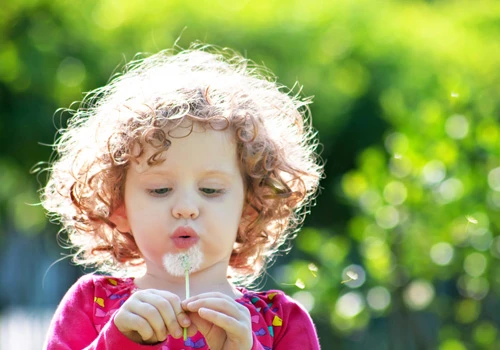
x=217, y=88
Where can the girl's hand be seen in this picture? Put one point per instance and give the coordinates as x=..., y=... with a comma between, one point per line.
x=225, y=324
x=150, y=315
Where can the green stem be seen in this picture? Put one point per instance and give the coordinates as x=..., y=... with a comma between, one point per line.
x=187, y=296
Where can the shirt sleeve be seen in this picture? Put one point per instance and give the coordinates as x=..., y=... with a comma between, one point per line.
x=72, y=326
x=299, y=332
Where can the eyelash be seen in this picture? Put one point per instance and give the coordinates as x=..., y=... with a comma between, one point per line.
x=214, y=192
x=163, y=191
x=210, y=192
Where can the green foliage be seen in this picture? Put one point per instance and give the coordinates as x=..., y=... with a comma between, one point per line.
x=406, y=104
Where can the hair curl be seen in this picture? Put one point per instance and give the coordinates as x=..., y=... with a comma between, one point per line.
x=275, y=141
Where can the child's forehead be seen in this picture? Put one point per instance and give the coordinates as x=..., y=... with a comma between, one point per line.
x=191, y=140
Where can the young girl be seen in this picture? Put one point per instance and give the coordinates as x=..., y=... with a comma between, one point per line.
x=192, y=163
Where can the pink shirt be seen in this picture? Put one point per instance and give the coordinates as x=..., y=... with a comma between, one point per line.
x=84, y=320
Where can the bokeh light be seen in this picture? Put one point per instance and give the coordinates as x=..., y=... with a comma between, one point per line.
x=355, y=276
x=395, y=193
x=387, y=217
x=378, y=298
x=419, y=294
x=305, y=298
x=350, y=305
x=494, y=179
x=71, y=72
x=433, y=172
x=475, y=264
x=457, y=127
x=442, y=253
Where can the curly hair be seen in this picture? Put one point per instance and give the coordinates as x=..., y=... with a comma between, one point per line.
x=276, y=145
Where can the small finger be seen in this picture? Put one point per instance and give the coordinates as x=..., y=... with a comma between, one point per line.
x=228, y=323
x=175, y=304
x=166, y=311
x=142, y=327
x=229, y=307
x=150, y=313
x=209, y=295
x=192, y=330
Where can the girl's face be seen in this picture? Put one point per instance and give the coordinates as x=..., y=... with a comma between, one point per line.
x=194, y=198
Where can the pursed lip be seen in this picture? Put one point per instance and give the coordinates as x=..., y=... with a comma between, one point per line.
x=184, y=237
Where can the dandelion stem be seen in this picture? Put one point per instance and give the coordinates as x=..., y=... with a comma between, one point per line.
x=186, y=274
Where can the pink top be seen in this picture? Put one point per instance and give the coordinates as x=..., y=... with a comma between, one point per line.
x=84, y=319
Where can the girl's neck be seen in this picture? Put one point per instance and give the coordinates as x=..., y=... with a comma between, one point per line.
x=199, y=282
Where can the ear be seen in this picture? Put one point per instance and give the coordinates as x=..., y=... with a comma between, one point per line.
x=120, y=219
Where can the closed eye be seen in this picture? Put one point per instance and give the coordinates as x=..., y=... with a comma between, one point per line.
x=211, y=192
x=160, y=192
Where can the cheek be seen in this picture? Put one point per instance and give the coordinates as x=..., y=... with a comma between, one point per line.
x=137, y=202
x=226, y=216
x=142, y=215
x=236, y=220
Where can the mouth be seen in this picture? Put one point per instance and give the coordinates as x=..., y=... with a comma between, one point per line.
x=184, y=237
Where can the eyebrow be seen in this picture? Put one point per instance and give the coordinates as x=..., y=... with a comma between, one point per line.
x=206, y=172
x=223, y=172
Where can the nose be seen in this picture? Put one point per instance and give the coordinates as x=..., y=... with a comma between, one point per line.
x=185, y=208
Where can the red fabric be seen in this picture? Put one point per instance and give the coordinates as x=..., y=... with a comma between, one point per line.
x=84, y=320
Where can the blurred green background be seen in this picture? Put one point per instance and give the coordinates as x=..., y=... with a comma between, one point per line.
x=402, y=249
